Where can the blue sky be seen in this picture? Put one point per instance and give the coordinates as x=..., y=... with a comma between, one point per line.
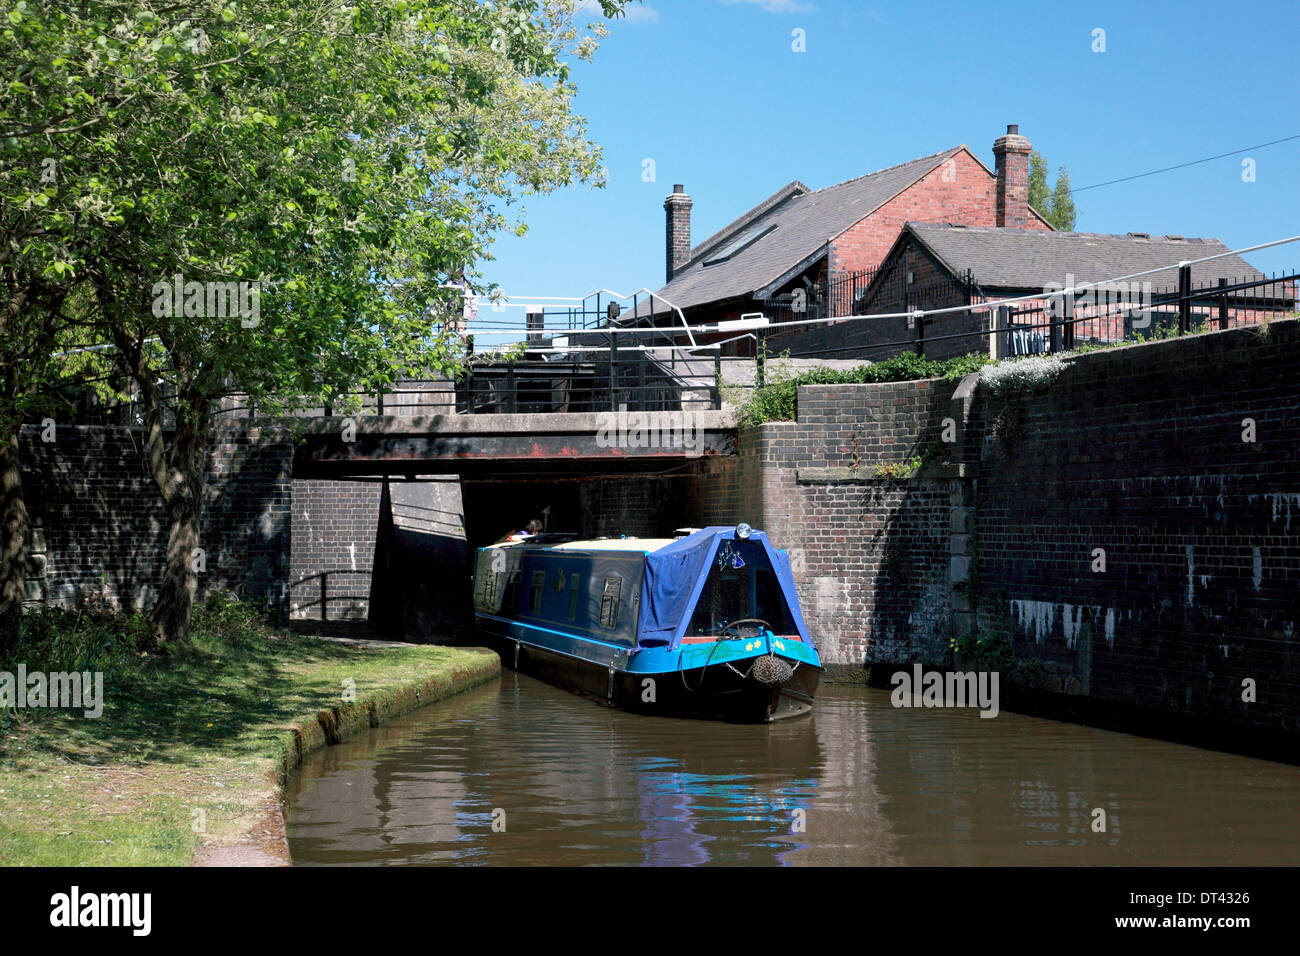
x=713, y=93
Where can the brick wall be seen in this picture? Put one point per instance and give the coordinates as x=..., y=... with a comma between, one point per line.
x=870, y=554
x=1139, y=452
x=100, y=530
x=634, y=505
x=334, y=531
x=961, y=190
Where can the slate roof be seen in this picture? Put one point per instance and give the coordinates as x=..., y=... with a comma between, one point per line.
x=1006, y=258
x=805, y=220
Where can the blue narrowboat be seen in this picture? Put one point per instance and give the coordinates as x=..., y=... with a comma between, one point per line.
x=703, y=625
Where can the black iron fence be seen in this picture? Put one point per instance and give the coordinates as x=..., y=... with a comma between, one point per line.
x=1134, y=312
x=1045, y=324
x=828, y=298
x=633, y=380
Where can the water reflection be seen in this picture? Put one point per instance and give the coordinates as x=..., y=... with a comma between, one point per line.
x=857, y=783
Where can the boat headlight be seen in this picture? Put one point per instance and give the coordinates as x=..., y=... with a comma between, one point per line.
x=743, y=531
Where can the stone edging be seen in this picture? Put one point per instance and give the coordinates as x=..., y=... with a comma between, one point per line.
x=268, y=843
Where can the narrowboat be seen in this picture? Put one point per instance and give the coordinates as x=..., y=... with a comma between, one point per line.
x=703, y=625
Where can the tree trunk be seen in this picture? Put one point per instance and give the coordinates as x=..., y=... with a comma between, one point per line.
x=177, y=471
x=183, y=496
x=13, y=540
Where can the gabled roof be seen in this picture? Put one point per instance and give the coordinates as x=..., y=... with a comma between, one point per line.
x=1006, y=258
x=804, y=221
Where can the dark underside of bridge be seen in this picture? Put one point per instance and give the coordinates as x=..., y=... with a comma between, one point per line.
x=510, y=447
x=452, y=484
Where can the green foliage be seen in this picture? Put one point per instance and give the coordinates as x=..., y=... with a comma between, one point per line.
x=898, y=470
x=778, y=400
x=351, y=158
x=61, y=639
x=986, y=652
x=1061, y=212
x=1038, y=192
x=1009, y=426
x=1056, y=206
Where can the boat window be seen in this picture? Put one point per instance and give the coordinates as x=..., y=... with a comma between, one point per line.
x=511, y=600
x=741, y=584
x=573, y=596
x=535, y=600
x=609, y=601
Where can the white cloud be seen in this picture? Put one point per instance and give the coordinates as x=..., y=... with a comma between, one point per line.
x=776, y=6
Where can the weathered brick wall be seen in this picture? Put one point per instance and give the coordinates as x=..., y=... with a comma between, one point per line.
x=1140, y=452
x=100, y=530
x=335, y=524
x=1137, y=451
x=634, y=505
x=870, y=554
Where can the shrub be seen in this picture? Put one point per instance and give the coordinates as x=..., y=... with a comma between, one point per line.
x=1009, y=379
x=779, y=400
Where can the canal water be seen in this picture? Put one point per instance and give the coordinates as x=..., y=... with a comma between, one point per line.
x=521, y=773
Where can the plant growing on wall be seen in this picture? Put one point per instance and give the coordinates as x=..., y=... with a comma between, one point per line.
x=1021, y=377
x=778, y=400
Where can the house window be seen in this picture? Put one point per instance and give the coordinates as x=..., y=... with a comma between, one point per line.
x=573, y=596
x=539, y=580
x=609, y=601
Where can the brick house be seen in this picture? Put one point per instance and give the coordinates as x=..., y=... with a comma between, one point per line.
x=800, y=239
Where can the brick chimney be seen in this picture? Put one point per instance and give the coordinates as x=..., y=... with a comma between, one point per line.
x=678, y=209
x=1012, y=155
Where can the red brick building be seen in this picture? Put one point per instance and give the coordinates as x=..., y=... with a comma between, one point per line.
x=800, y=244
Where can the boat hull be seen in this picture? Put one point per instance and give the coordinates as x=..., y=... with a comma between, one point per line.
x=715, y=691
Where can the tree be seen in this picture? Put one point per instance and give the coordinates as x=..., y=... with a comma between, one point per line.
x=1063, y=214
x=1057, y=206
x=1038, y=194
x=270, y=195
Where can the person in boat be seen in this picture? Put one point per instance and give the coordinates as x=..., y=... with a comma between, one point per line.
x=533, y=527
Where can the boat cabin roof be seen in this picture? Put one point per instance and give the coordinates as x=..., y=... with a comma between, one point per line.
x=643, y=545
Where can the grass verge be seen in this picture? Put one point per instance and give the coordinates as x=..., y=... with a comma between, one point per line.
x=191, y=751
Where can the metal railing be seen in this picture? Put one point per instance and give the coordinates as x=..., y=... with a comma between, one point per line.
x=1048, y=325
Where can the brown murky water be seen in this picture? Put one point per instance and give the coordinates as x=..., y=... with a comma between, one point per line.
x=858, y=782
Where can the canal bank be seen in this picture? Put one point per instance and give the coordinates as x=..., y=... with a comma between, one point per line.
x=187, y=763
x=264, y=841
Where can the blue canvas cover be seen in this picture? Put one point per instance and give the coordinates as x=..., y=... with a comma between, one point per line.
x=675, y=575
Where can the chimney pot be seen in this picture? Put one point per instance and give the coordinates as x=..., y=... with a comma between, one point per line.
x=1013, y=129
